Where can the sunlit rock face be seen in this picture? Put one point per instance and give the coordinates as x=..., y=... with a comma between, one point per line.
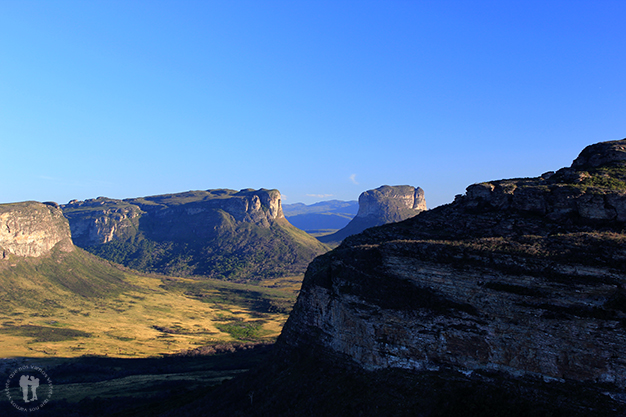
x=386, y=204
x=32, y=229
x=392, y=204
x=525, y=277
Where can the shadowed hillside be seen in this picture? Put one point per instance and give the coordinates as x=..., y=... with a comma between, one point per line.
x=237, y=235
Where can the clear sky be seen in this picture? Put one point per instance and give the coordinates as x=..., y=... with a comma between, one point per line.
x=319, y=99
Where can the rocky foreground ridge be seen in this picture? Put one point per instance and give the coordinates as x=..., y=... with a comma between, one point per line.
x=32, y=229
x=220, y=233
x=385, y=204
x=509, y=301
x=524, y=276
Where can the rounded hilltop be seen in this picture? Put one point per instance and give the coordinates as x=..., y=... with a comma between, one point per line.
x=612, y=153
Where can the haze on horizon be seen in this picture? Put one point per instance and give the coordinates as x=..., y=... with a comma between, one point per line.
x=321, y=100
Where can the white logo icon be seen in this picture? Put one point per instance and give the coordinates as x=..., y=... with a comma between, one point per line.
x=26, y=381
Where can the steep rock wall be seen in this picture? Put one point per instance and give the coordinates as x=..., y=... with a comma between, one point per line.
x=32, y=229
x=102, y=220
x=386, y=204
x=391, y=204
x=525, y=277
x=195, y=214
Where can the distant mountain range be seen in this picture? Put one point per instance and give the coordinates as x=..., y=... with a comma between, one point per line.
x=325, y=216
x=237, y=235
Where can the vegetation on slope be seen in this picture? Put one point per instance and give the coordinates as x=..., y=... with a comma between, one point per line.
x=216, y=233
x=72, y=304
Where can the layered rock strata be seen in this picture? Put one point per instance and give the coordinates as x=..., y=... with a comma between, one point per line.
x=525, y=277
x=32, y=229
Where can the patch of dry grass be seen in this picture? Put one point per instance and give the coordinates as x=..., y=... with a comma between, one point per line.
x=149, y=317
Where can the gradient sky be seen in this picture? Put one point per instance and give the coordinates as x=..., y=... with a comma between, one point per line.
x=319, y=99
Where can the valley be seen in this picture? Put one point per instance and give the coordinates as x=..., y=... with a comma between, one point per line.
x=69, y=305
x=508, y=301
x=133, y=338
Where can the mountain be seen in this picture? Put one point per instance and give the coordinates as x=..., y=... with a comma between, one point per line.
x=238, y=235
x=59, y=301
x=509, y=301
x=321, y=217
x=386, y=204
x=329, y=206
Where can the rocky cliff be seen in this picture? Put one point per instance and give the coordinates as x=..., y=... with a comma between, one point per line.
x=32, y=229
x=386, y=204
x=219, y=233
x=518, y=283
x=191, y=214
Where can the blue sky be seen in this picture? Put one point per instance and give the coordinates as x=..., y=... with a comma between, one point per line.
x=319, y=99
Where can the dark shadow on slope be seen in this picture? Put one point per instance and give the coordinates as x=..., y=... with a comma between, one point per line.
x=101, y=386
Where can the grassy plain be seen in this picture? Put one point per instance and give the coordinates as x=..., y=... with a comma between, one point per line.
x=74, y=304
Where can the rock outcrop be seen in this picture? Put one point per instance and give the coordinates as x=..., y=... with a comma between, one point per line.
x=523, y=279
x=386, y=204
x=32, y=229
x=102, y=220
x=219, y=233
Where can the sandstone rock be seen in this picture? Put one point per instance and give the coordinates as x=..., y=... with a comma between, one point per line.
x=569, y=193
x=603, y=153
x=101, y=220
x=391, y=203
x=33, y=229
x=382, y=205
x=521, y=277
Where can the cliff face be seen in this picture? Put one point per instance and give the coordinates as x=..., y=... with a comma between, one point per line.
x=32, y=229
x=220, y=233
x=174, y=216
x=102, y=220
x=386, y=204
x=391, y=204
x=524, y=277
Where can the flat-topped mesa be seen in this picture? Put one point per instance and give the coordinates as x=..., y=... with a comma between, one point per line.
x=392, y=203
x=32, y=229
x=386, y=204
x=103, y=220
x=219, y=233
